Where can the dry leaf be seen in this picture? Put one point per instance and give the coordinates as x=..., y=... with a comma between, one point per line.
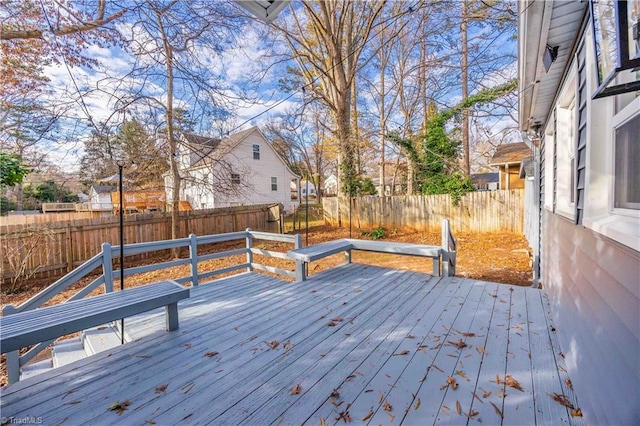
x=452, y=382
x=445, y=409
x=437, y=368
x=161, y=389
x=417, y=404
x=458, y=408
x=472, y=414
x=576, y=413
x=287, y=345
x=568, y=383
x=513, y=383
x=486, y=394
x=468, y=334
x=386, y=406
x=459, y=344
x=337, y=319
x=380, y=398
x=120, y=406
x=344, y=415
x=461, y=374
x=367, y=416
x=477, y=397
x=150, y=422
x=481, y=349
x=296, y=390
x=331, y=324
x=72, y=402
x=562, y=400
x=410, y=336
x=403, y=352
x=323, y=422
x=335, y=394
x=273, y=344
x=496, y=409
x=210, y=354
x=391, y=417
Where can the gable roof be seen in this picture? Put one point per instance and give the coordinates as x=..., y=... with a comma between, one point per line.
x=105, y=189
x=199, y=146
x=484, y=178
x=510, y=153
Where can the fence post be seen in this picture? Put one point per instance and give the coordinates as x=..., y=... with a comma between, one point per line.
x=107, y=267
x=249, y=252
x=301, y=266
x=69, y=248
x=193, y=255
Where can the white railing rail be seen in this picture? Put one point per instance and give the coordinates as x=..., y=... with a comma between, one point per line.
x=105, y=259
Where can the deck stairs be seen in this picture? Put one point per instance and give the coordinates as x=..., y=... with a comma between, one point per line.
x=88, y=342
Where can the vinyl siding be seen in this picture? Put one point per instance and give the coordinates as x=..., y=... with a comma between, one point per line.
x=597, y=309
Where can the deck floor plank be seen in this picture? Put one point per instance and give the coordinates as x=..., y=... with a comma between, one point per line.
x=393, y=340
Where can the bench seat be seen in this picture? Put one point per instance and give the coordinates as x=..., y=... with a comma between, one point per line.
x=319, y=251
x=39, y=325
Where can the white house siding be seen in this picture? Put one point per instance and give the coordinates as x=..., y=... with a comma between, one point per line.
x=594, y=290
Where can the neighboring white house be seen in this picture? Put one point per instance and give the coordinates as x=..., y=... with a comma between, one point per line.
x=242, y=169
x=307, y=189
x=586, y=147
x=100, y=197
x=331, y=185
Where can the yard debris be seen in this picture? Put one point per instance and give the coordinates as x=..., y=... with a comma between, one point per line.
x=513, y=383
x=210, y=354
x=475, y=395
x=323, y=422
x=472, y=414
x=335, y=394
x=161, y=388
x=562, y=400
x=273, y=344
x=150, y=422
x=410, y=336
x=387, y=406
x=403, y=352
x=452, y=382
x=337, y=319
x=461, y=374
x=296, y=390
x=367, y=416
x=417, y=404
x=468, y=334
x=568, y=383
x=576, y=413
x=459, y=344
x=120, y=406
x=287, y=345
x=496, y=409
x=344, y=415
x=458, y=408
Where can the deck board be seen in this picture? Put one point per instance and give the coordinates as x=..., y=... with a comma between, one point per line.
x=391, y=341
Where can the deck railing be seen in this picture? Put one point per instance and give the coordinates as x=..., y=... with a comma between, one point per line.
x=449, y=247
x=105, y=258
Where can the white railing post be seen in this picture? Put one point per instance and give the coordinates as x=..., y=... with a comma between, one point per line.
x=13, y=357
x=249, y=252
x=107, y=267
x=301, y=266
x=193, y=255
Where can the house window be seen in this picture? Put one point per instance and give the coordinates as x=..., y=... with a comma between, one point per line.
x=256, y=151
x=627, y=169
x=274, y=183
x=235, y=179
x=565, y=139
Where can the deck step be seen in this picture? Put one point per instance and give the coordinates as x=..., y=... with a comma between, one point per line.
x=36, y=368
x=67, y=351
x=100, y=339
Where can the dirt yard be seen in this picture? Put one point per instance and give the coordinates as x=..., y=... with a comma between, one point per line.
x=495, y=257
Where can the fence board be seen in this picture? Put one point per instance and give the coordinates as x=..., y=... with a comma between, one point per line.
x=485, y=211
x=56, y=247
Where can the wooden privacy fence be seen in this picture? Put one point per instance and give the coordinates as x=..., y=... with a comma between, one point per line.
x=484, y=211
x=54, y=248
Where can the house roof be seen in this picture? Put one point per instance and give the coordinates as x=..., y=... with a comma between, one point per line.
x=199, y=146
x=484, y=178
x=104, y=189
x=511, y=153
x=542, y=24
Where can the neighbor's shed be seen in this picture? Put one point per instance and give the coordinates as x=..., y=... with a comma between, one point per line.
x=507, y=159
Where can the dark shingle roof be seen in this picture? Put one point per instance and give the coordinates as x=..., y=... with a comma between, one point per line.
x=203, y=147
x=480, y=179
x=511, y=153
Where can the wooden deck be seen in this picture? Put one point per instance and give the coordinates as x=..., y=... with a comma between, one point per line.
x=356, y=342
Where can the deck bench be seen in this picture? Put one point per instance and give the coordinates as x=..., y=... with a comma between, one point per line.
x=40, y=325
x=318, y=251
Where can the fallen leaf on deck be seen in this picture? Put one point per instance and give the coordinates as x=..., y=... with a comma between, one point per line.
x=459, y=344
x=458, y=408
x=72, y=402
x=331, y=324
x=410, y=336
x=391, y=417
x=496, y=409
x=472, y=414
x=481, y=350
x=367, y=416
x=161, y=388
x=323, y=422
x=423, y=349
x=461, y=374
x=344, y=415
x=437, y=368
x=120, y=406
x=568, y=383
x=273, y=344
x=349, y=377
x=562, y=400
x=403, y=352
x=296, y=390
x=210, y=354
x=468, y=334
x=150, y=422
x=576, y=413
x=445, y=409
x=477, y=397
x=386, y=406
x=337, y=319
x=417, y=404
x=513, y=383
x=335, y=394
x=452, y=382
x=486, y=394
x=380, y=398
x=287, y=345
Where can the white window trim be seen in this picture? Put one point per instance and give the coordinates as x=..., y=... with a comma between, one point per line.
x=565, y=136
x=618, y=224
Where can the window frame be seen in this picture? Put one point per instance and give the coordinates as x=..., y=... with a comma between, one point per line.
x=235, y=178
x=629, y=112
x=256, y=151
x=274, y=181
